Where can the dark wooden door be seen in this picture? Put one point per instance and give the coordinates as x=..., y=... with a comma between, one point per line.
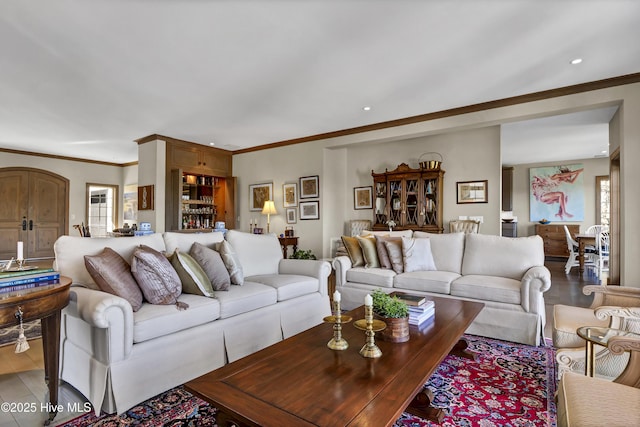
x=34, y=207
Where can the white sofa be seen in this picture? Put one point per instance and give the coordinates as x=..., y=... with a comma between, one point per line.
x=117, y=357
x=506, y=274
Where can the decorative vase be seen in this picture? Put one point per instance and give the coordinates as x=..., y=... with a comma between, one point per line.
x=397, y=329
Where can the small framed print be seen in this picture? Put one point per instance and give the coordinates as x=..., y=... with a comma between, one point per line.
x=471, y=191
x=363, y=198
x=145, y=198
x=310, y=210
x=290, y=192
x=309, y=187
x=291, y=216
x=258, y=194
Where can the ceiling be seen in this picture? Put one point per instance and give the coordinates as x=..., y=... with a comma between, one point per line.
x=86, y=78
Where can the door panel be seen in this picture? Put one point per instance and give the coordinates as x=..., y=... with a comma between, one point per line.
x=40, y=199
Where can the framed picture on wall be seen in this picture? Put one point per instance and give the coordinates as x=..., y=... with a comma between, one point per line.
x=145, y=198
x=291, y=216
x=471, y=191
x=310, y=210
x=363, y=198
x=258, y=194
x=309, y=187
x=290, y=192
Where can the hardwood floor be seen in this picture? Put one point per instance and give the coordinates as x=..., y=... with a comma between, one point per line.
x=22, y=375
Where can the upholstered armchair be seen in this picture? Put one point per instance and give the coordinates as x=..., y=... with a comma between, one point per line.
x=614, y=307
x=464, y=226
x=585, y=401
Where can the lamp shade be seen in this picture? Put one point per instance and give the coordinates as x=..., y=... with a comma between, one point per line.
x=269, y=208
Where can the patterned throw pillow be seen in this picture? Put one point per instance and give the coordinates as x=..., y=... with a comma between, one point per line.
x=354, y=251
x=417, y=255
x=158, y=280
x=383, y=254
x=212, y=264
x=231, y=261
x=112, y=274
x=193, y=277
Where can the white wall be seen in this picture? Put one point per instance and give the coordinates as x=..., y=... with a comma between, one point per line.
x=298, y=158
x=78, y=173
x=521, y=206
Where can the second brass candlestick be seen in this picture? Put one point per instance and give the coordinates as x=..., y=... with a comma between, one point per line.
x=370, y=326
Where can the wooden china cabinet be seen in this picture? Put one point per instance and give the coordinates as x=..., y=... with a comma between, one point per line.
x=412, y=198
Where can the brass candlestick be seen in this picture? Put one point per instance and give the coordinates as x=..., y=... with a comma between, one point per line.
x=337, y=342
x=370, y=326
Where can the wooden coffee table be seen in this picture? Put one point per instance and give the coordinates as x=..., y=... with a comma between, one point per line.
x=301, y=382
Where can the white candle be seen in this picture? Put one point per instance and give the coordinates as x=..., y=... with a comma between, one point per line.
x=368, y=301
x=20, y=251
x=336, y=296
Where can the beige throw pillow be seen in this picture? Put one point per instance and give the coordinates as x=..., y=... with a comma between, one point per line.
x=193, y=277
x=212, y=264
x=416, y=255
x=231, y=261
x=112, y=274
x=369, y=251
x=383, y=255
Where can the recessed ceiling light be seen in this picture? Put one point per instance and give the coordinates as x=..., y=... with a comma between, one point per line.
x=366, y=108
x=576, y=61
x=604, y=151
x=212, y=143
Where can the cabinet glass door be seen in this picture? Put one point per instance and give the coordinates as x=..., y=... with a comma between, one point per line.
x=411, y=202
x=395, y=192
x=381, y=203
x=430, y=201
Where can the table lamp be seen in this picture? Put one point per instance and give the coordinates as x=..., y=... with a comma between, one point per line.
x=269, y=209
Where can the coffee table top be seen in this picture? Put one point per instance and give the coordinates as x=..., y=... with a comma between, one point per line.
x=301, y=382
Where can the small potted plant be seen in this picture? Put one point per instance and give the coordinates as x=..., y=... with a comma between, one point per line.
x=300, y=254
x=391, y=223
x=395, y=313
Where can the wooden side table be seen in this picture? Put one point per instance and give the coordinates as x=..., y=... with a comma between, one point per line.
x=285, y=242
x=44, y=303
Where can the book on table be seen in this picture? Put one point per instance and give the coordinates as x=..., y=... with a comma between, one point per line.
x=27, y=271
x=4, y=290
x=42, y=277
x=420, y=314
x=411, y=300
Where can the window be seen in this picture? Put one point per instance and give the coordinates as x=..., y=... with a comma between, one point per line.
x=603, y=200
x=102, y=208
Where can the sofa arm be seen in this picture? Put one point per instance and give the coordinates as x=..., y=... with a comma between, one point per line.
x=112, y=315
x=341, y=264
x=623, y=296
x=306, y=267
x=535, y=282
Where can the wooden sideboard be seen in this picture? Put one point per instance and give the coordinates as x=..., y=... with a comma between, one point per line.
x=555, y=240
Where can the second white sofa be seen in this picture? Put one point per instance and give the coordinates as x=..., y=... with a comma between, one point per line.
x=506, y=274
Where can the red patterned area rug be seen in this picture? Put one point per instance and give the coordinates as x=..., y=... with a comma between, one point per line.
x=508, y=385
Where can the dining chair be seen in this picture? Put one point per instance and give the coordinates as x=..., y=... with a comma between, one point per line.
x=574, y=253
x=600, y=256
x=464, y=225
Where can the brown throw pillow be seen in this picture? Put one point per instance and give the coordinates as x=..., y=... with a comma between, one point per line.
x=158, y=280
x=212, y=264
x=354, y=251
x=112, y=274
x=383, y=254
x=394, y=249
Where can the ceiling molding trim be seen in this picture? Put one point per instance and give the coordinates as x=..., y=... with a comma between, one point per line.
x=72, y=159
x=505, y=102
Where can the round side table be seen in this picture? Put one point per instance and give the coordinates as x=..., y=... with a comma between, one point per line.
x=44, y=303
x=601, y=336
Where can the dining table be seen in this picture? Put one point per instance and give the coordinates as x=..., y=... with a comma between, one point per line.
x=584, y=240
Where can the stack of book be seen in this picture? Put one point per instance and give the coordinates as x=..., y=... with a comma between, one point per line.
x=420, y=309
x=30, y=277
